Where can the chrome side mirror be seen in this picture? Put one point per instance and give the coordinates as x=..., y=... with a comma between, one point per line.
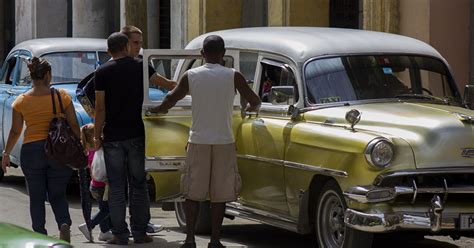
x=282, y=94
x=469, y=96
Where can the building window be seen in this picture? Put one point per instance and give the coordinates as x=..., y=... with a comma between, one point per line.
x=165, y=24
x=344, y=13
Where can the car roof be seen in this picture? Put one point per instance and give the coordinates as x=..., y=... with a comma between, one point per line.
x=303, y=43
x=40, y=47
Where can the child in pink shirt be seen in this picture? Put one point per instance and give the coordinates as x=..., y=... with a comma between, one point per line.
x=97, y=190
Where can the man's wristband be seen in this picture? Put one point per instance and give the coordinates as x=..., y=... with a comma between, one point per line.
x=4, y=153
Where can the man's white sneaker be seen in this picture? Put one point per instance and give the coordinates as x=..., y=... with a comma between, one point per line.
x=84, y=230
x=105, y=236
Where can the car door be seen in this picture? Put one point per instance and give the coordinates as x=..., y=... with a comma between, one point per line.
x=263, y=139
x=7, y=76
x=167, y=135
x=20, y=84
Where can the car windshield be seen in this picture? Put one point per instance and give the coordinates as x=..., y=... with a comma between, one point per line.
x=74, y=66
x=352, y=78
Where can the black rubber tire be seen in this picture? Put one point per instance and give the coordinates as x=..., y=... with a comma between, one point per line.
x=352, y=238
x=203, y=222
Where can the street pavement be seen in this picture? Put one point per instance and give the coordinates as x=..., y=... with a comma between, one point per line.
x=236, y=233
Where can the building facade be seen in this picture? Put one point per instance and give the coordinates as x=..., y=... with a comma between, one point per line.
x=173, y=23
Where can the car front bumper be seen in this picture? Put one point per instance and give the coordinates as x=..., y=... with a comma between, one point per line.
x=434, y=220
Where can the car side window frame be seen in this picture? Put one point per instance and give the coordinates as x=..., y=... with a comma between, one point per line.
x=23, y=64
x=288, y=64
x=8, y=70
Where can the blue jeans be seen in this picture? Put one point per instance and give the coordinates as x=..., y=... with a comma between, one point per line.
x=125, y=161
x=101, y=218
x=45, y=179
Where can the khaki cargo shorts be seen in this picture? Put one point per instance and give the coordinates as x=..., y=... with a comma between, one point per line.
x=211, y=173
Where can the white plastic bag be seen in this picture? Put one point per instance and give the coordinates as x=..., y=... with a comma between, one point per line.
x=99, y=172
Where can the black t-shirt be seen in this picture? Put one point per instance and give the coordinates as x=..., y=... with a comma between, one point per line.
x=122, y=82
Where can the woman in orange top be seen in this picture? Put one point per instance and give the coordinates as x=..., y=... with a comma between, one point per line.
x=45, y=178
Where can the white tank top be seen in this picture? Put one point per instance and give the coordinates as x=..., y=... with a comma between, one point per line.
x=212, y=90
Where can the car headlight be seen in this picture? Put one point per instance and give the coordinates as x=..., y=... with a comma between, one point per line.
x=379, y=153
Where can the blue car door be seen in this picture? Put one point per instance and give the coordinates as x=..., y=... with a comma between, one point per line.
x=7, y=76
x=21, y=84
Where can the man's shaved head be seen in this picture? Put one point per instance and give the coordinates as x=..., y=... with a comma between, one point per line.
x=213, y=45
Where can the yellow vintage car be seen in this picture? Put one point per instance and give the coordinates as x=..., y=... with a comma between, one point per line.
x=359, y=133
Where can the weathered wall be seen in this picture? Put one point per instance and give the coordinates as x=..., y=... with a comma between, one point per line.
x=2, y=33
x=415, y=19
x=210, y=15
x=449, y=34
x=445, y=26
x=179, y=24
x=51, y=18
x=25, y=22
x=136, y=15
x=220, y=14
x=89, y=18
x=298, y=13
x=381, y=15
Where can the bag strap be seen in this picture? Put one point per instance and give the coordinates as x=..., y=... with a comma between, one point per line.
x=60, y=102
x=61, y=108
x=52, y=99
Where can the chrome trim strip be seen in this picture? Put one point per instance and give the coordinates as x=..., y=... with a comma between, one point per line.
x=164, y=158
x=453, y=170
x=362, y=193
x=313, y=168
x=316, y=168
x=239, y=210
x=261, y=159
x=164, y=163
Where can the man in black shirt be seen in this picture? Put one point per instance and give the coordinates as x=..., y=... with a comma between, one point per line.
x=120, y=131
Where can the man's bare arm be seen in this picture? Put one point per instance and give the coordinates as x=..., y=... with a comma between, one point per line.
x=246, y=92
x=173, y=96
x=158, y=80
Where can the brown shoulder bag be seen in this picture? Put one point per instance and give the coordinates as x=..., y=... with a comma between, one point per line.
x=62, y=145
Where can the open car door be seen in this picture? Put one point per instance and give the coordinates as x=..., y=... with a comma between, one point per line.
x=167, y=135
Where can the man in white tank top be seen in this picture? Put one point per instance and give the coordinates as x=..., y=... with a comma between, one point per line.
x=211, y=161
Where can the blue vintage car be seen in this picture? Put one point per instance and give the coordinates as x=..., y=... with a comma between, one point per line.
x=72, y=59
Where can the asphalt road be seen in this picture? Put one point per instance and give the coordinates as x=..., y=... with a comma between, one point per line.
x=236, y=233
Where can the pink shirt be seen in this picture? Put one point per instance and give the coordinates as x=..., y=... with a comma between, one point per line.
x=94, y=183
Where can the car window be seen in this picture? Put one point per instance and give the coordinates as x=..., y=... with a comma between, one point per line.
x=8, y=73
x=350, y=78
x=103, y=57
x=248, y=65
x=70, y=67
x=24, y=78
x=277, y=85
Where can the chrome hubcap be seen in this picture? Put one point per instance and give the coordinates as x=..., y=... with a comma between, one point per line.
x=332, y=221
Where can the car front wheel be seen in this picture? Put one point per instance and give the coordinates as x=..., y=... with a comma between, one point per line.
x=331, y=231
x=203, y=221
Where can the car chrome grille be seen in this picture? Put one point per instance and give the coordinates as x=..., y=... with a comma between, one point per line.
x=422, y=187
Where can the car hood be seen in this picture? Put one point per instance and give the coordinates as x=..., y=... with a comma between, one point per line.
x=70, y=88
x=15, y=236
x=437, y=134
